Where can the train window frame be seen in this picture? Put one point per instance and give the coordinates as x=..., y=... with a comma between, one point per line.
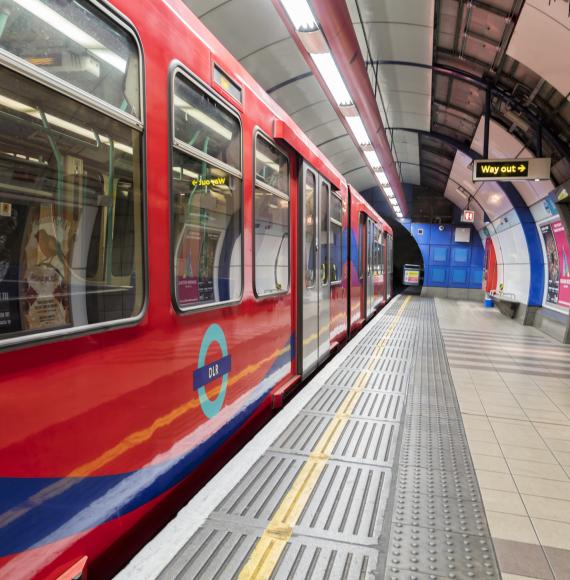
x=178, y=68
x=58, y=84
x=334, y=221
x=51, y=82
x=258, y=133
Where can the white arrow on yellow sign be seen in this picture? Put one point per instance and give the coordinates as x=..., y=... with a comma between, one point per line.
x=511, y=169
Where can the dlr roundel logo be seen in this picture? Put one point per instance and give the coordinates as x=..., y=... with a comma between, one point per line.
x=207, y=373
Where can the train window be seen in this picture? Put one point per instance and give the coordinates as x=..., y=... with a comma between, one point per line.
x=271, y=210
x=207, y=223
x=77, y=43
x=336, y=239
x=71, y=224
x=310, y=230
x=204, y=126
x=271, y=166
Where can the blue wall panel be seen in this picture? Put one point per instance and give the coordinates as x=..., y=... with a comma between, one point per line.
x=476, y=277
x=441, y=236
x=477, y=254
x=448, y=263
x=458, y=277
x=421, y=233
x=439, y=255
x=460, y=255
x=437, y=276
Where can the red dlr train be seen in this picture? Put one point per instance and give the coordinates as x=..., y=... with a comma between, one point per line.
x=175, y=257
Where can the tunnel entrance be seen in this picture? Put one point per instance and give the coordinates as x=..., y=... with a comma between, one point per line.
x=406, y=251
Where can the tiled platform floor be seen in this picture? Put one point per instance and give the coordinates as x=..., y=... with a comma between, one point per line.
x=513, y=386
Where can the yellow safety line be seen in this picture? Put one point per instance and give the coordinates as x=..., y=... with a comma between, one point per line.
x=272, y=542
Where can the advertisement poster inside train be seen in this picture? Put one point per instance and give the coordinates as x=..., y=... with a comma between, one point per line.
x=12, y=221
x=45, y=270
x=557, y=255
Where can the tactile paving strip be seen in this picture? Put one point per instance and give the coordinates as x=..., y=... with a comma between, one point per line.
x=370, y=405
x=439, y=529
x=397, y=496
x=219, y=554
x=361, y=440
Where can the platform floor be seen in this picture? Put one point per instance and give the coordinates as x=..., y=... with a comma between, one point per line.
x=513, y=385
x=369, y=471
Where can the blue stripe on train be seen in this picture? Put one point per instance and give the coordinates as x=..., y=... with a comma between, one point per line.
x=38, y=511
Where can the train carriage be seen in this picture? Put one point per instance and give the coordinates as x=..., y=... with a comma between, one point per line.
x=175, y=257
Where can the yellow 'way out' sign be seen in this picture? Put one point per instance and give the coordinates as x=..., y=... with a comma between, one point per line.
x=511, y=169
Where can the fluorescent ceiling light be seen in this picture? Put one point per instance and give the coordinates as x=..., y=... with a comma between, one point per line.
x=203, y=118
x=266, y=160
x=388, y=191
x=62, y=123
x=332, y=77
x=300, y=14
x=61, y=24
x=357, y=127
x=393, y=202
x=382, y=178
x=186, y=172
x=372, y=158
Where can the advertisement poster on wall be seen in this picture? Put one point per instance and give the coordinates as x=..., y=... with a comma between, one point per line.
x=557, y=255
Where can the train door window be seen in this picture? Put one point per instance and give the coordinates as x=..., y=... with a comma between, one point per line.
x=71, y=205
x=310, y=230
x=271, y=213
x=382, y=238
x=324, y=241
x=361, y=246
x=369, y=247
x=207, y=223
x=378, y=247
x=374, y=248
x=336, y=239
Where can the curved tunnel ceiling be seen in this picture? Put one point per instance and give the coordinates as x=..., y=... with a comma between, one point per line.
x=431, y=64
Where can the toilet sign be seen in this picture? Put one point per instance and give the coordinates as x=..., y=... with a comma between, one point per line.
x=468, y=216
x=511, y=169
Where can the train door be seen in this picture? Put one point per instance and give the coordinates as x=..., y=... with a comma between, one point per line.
x=388, y=267
x=324, y=259
x=363, y=264
x=369, y=267
x=314, y=332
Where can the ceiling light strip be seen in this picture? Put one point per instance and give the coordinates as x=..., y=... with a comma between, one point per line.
x=304, y=21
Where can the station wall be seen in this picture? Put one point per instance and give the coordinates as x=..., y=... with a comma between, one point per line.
x=513, y=259
x=450, y=264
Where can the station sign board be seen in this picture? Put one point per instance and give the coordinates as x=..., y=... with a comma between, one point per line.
x=511, y=169
x=468, y=216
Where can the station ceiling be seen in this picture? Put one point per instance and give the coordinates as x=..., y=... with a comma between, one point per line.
x=431, y=64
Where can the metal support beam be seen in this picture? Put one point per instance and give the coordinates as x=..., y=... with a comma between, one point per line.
x=496, y=91
x=487, y=123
